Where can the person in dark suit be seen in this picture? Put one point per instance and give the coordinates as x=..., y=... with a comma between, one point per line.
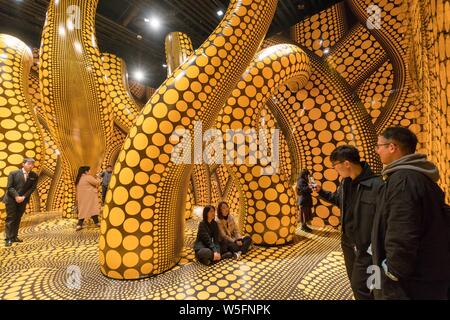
x=21, y=184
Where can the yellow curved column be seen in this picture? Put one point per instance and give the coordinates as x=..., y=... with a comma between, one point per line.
x=178, y=49
x=124, y=109
x=142, y=229
x=20, y=135
x=77, y=105
x=270, y=211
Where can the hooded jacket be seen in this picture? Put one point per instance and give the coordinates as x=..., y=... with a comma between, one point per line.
x=409, y=232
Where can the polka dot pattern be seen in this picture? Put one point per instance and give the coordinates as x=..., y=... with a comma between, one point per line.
x=20, y=134
x=322, y=30
x=179, y=48
x=321, y=116
x=358, y=55
x=391, y=36
x=267, y=220
x=38, y=269
x=73, y=85
x=429, y=63
x=220, y=61
x=51, y=158
x=124, y=109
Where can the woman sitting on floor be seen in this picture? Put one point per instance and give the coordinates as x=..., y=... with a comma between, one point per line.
x=229, y=232
x=207, y=246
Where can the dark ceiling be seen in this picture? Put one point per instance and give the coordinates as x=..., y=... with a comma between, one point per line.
x=122, y=29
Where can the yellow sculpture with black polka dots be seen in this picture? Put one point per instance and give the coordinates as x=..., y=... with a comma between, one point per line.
x=73, y=85
x=142, y=229
x=20, y=135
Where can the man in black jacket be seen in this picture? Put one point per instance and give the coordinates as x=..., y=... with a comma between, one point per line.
x=21, y=184
x=355, y=197
x=410, y=241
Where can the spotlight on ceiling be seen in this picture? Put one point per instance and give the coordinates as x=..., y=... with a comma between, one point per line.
x=154, y=22
x=139, y=75
x=220, y=13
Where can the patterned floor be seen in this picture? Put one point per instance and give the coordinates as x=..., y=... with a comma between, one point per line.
x=55, y=262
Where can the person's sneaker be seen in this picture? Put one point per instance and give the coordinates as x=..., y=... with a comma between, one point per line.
x=227, y=255
x=78, y=228
x=306, y=228
x=8, y=243
x=238, y=255
x=16, y=239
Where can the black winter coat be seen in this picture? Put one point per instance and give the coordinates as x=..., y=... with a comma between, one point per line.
x=208, y=236
x=304, y=193
x=364, y=205
x=410, y=230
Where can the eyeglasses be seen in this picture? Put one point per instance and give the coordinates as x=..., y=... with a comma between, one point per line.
x=378, y=146
x=336, y=163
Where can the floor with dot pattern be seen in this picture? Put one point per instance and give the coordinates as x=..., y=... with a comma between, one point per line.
x=40, y=268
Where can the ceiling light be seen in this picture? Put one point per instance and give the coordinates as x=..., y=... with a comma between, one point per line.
x=139, y=75
x=147, y=20
x=155, y=23
x=220, y=13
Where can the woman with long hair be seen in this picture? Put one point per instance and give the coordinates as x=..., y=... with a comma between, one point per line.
x=87, y=197
x=207, y=246
x=229, y=232
x=304, y=199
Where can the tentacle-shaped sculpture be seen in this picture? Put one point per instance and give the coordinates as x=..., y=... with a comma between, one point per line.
x=390, y=34
x=357, y=56
x=178, y=50
x=321, y=116
x=51, y=158
x=20, y=134
x=270, y=211
x=73, y=86
x=124, y=109
x=142, y=229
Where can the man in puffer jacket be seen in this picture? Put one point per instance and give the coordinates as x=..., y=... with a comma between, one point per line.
x=410, y=240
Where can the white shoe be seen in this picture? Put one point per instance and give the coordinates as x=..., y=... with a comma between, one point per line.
x=238, y=255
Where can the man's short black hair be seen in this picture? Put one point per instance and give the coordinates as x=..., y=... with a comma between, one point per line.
x=345, y=152
x=403, y=137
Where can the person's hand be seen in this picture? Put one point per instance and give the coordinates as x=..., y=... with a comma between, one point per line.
x=20, y=199
x=315, y=188
x=239, y=242
x=217, y=256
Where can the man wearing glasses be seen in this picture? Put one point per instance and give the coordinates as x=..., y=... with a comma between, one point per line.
x=410, y=240
x=356, y=197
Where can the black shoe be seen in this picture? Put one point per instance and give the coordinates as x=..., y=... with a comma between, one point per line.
x=8, y=243
x=17, y=240
x=227, y=255
x=306, y=228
